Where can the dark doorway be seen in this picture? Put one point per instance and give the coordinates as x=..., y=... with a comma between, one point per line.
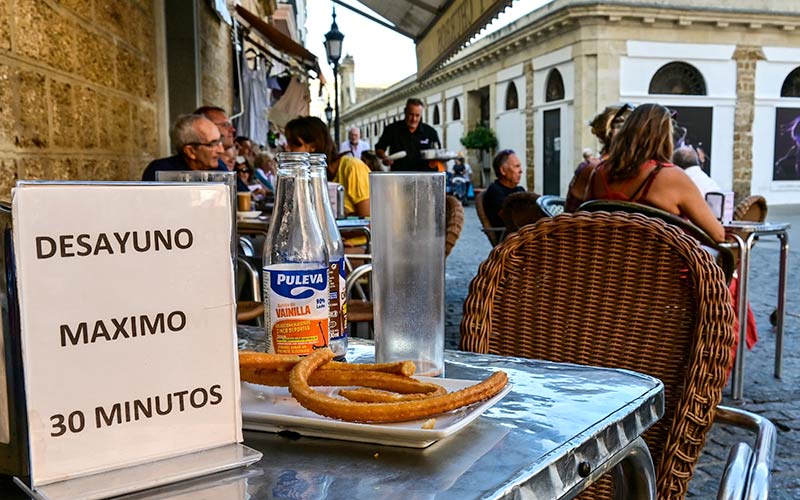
x=552, y=152
x=697, y=123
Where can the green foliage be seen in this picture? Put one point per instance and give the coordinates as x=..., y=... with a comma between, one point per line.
x=481, y=138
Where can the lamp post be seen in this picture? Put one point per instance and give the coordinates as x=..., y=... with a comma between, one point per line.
x=333, y=48
x=329, y=113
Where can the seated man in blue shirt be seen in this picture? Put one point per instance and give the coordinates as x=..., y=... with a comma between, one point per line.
x=198, y=145
x=508, y=169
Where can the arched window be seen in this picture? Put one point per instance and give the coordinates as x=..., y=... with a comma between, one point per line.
x=436, y=119
x=791, y=86
x=678, y=78
x=512, y=101
x=555, y=86
x=456, y=110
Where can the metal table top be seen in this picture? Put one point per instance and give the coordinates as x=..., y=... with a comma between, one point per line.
x=557, y=420
x=743, y=226
x=556, y=417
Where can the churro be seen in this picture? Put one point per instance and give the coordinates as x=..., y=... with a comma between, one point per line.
x=374, y=380
x=382, y=412
x=367, y=395
x=285, y=362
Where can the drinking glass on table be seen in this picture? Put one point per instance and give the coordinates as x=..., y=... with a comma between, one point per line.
x=408, y=231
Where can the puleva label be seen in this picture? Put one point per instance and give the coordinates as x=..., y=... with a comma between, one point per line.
x=297, y=308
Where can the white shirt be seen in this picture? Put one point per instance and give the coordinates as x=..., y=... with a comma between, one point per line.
x=355, y=150
x=703, y=182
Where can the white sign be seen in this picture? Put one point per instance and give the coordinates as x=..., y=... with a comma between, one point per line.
x=128, y=324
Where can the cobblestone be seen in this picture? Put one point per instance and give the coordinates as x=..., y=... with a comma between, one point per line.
x=778, y=400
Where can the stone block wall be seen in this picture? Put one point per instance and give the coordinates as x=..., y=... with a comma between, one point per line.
x=77, y=90
x=216, y=60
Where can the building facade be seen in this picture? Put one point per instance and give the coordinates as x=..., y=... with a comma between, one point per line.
x=731, y=70
x=89, y=88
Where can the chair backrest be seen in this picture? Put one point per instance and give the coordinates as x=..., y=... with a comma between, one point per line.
x=725, y=256
x=488, y=230
x=616, y=290
x=551, y=205
x=454, y=222
x=752, y=208
x=521, y=209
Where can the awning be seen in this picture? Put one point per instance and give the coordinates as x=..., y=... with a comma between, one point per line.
x=439, y=27
x=279, y=41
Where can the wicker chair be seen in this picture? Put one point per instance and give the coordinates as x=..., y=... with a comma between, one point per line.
x=753, y=208
x=454, y=222
x=551, y=205
x=725, y=257
x=495, y=234
x=624, y=291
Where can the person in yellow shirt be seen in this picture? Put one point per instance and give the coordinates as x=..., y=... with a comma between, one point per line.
x=310, y=135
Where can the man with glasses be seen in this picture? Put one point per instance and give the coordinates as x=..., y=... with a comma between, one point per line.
x=198, y=145
x=227, y=132
x=219, y=117
x=508, y=169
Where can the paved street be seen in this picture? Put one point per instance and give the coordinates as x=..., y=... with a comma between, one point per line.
x=778, y=400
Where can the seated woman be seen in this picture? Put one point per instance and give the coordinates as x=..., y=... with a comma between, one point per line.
x=604, y=126
x=310, y=135
x=638, y=169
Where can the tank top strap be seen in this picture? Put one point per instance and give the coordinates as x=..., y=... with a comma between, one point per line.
x=644, y=187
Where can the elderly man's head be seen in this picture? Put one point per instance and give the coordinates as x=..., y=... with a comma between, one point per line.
x=685, y=157
x=353, y=135
x=198, y=140
x=508, y=168
x=218, y=116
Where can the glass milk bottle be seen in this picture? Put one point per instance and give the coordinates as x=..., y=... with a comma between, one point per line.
x=337, y=301
x=295, y=265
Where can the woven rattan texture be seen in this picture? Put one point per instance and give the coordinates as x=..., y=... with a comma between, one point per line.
x=753, y=208
x=494, y=237
x=248, y=310
x=454, y=222
x=617, y=290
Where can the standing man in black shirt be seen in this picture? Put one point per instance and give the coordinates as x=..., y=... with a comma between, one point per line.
x=411, y=136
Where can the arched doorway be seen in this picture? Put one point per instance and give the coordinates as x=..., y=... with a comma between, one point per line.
x=695, y=123
x=554, y=91
x=787, y=132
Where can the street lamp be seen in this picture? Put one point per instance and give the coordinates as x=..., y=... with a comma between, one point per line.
x=333, y=47
x=329, y=113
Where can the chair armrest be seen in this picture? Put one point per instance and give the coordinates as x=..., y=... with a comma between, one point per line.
x=354, y=276
x=747, y=472
x=255, y=282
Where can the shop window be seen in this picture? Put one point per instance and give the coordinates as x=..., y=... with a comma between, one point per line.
x=791, y=86
x=512, y=101
x=678, y=78
x=555, y=86
x=456, y=110
x=436, y=118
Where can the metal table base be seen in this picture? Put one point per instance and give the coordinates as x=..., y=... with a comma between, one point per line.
x=744, y=234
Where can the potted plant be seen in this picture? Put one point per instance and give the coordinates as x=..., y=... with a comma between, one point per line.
x=483, y=139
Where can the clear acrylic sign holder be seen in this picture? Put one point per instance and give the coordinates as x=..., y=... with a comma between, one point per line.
x=213, y=467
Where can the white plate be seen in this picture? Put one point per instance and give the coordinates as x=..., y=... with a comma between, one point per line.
x=248, y=215
x=273, y=409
